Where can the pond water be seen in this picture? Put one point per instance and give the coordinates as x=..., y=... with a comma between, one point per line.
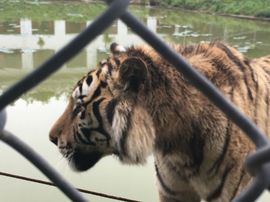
x=32, y=32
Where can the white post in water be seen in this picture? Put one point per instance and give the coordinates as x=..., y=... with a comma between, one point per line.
x=91, y=52
x=60, y=28
x=152, y=23
x=60, y=32
x=27, y=53
x=27, y=60
x=91, y=57
x=122, y=29
x=26, y=27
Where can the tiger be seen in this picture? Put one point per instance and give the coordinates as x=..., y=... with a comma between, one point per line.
x=135, y=104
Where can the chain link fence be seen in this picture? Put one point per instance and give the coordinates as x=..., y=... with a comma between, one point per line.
x=258, y=163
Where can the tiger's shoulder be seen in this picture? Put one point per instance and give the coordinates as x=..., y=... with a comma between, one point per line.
x=263, y=62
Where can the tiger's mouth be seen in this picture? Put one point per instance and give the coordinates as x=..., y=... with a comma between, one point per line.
x=83, y=161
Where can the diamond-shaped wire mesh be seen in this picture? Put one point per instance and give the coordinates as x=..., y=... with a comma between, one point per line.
x=257, y=163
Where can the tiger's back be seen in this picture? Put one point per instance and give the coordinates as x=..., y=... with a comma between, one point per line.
x=135, y=104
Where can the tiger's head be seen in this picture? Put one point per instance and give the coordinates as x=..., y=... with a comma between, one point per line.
x=105, y=114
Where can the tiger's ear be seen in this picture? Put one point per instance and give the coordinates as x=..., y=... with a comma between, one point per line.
x=133, y=72
x=116, y=49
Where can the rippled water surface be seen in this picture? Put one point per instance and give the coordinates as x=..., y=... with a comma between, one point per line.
x=31, y=32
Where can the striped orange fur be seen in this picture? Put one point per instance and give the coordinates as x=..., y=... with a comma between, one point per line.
x=134, y=104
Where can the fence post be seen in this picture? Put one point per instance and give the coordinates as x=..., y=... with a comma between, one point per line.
x=257, y=163
x=3, y=119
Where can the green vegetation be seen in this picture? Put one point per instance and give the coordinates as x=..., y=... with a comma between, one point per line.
x=259, y=8
x=74, y=11
x=79, y=10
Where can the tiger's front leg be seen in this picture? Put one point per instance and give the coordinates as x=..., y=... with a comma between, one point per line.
x=185, y=196
x=173, y=188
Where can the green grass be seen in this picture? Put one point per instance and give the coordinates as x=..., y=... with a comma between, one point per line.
x=259, y=8
x=76, y=11
x=263, y=14
x=50, y=10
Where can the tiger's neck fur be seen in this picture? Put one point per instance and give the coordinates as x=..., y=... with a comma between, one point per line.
x=128, y=135
x=171, y=101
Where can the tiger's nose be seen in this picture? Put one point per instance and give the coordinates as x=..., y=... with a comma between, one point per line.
x=54, y=140
x=54, y=135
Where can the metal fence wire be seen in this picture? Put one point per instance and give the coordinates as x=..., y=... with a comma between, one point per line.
x=258, y=163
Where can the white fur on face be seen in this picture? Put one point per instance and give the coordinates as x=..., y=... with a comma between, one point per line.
x=85, y=87
x=76, y=93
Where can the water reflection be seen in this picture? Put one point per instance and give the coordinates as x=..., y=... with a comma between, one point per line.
x=32, y=40
x=25, y=43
